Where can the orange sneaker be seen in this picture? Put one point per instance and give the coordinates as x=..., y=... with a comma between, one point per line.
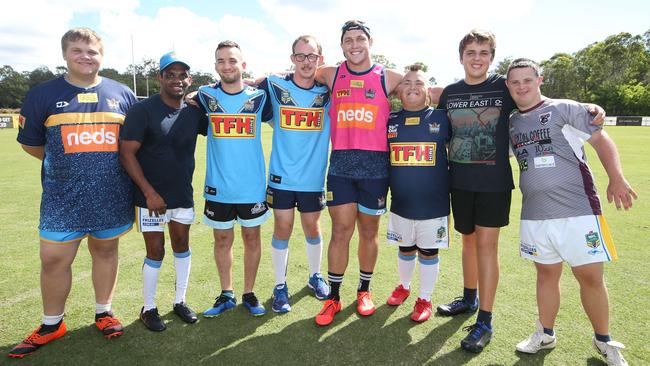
x=365, y=306
x=38, y=338
x=421, y=310
x=398, y=296
x=109, y=325
x=326, y=315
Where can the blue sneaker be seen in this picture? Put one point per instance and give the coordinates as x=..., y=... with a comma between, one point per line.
x=253, y=305
x=458, y=306
x=281, y=299
x=317, y=283
x=479, y=336
x=223, y=303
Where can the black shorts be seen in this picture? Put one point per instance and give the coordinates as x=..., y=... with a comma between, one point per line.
x=489, y=209
x=305, y=201
x=222, y=216
x=369, y=194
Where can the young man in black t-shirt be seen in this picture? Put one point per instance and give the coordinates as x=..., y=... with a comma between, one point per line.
x=157, y=146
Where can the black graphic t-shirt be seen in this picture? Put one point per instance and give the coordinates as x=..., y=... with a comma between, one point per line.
x=478, y=151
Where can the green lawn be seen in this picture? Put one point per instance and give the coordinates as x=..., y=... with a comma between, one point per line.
x=388, y=337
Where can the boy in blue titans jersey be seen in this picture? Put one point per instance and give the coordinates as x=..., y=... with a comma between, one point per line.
x=561, y=216
x=235, y=179
x=419, y=186
x=480, y=178
x=298, y=164
x=72, y=124
x=157, y=146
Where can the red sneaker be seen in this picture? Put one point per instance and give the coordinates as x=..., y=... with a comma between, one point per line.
x=421, y=310
x=326, y=315
x=38, y=338
x=109, y=325
x=398, y=296
x=365, y=306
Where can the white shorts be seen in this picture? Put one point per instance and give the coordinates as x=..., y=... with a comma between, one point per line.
x=425, y=234
x=576, y=240
x=146, y=223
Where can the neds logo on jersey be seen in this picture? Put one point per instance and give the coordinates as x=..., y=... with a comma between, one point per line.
x=413, y=154
x=233, y=125
x=357, y=115
x=304, y=119
x=89, y=137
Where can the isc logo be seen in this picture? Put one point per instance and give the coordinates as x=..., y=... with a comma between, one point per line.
x=413, y=154
x=89, y=137
x=357, y=115
x=233, y=125
x=304, y=119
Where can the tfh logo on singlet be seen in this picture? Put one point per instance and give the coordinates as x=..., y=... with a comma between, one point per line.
x=302, y=119
x=357, y=115
x=233, y=125
x=413, y=154
x=89, y=137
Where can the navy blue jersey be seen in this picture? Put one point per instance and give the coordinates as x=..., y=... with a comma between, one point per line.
x=419, y=174
x=166, y=155
x=84, y=185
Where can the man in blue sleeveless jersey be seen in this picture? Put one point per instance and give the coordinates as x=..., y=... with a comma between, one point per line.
x=235, y=178
x=72, y=124
x=157, y=150
x=298, y=163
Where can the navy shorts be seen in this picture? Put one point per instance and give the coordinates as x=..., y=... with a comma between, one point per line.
x=488, y=209
x=305, y=201
x=222, y=216
x=369, y=194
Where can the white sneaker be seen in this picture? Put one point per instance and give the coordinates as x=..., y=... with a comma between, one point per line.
x=611, y=351
x=537, y=341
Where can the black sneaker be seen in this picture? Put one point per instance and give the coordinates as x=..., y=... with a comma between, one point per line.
x=152, y=320
x=479, y=336
x=185, y=313
x=458, y=306
x=253, y=305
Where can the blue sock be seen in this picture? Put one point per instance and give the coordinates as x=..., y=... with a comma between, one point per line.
x=229, y=293
x=550, y=332
x=469, y=295
x=484, y=317
x=603, y=338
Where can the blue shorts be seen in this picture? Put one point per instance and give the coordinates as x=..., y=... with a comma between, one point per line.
x=65, y=237
x=369, y=194
x=305, y=201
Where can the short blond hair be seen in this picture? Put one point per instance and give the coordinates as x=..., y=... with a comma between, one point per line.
x=81, y=34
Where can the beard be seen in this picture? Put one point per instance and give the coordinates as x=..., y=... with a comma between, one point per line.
x=230, y=79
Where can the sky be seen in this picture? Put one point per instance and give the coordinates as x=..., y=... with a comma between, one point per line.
x=404, y=31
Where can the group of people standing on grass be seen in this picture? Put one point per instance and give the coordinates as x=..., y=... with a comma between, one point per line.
x=92, y=136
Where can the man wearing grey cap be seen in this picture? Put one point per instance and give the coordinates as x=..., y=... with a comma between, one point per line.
x=157, y=144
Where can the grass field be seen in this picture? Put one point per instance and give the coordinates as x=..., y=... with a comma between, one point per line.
x=388, y=337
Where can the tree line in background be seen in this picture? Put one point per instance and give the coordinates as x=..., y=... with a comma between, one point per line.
x=614, y=73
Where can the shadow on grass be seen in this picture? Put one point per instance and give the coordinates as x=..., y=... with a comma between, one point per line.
x=234, y=338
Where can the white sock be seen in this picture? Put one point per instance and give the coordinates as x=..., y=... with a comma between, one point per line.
x=280, y=258
x=150, y=270
x=102, y=308
x=405, y=268
x=314, y=254
x=429, y=269
x=182, y=263
x=52, y=319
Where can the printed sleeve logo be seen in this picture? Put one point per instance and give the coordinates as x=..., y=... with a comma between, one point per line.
x=413, y=154
x=301, y=119
x=89, y=137
x=233, y=125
